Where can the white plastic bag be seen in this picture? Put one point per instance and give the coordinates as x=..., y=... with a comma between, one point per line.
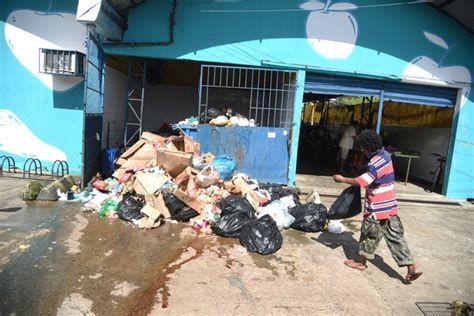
x=336, y=227
x=279, y=212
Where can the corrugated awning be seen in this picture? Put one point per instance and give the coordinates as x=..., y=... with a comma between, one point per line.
x=460, y=10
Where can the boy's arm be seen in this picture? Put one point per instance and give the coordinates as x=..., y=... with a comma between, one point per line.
x=340, y=179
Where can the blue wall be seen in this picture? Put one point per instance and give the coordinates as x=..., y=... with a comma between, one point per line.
x=37, y=119
x=392, y=42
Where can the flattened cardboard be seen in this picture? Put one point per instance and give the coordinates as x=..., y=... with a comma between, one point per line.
x=153, y=137
x=119, y=173
x=151, y=182
x=120, y=161
x=138, y=187
x=189, y=201
x=148, y=222
x=146, y=152
x=151, y=212
x=170, y=159
x=129, y=152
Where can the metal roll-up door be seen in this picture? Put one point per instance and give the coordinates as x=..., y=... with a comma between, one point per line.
x=336, y=85
x=395, y=91
x=418, y=94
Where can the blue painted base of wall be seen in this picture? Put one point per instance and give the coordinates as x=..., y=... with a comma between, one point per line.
x=260, y=152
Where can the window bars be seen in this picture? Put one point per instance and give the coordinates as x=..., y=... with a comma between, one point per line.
x=61, y=62
x=265, y=95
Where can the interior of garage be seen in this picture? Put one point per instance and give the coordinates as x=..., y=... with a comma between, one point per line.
x=416, y=130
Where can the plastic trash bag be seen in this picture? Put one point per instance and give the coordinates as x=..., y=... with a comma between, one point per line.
x=347, y=204
x=234, y=203
x=336, y=227
x=309, y=217
x=225, y=165
x=178, y=210
x=279, y=212
x=129, y=208
x=261, y=235
x=207, y=177
x=277, y=192
x=213, y=113
x=236, y=212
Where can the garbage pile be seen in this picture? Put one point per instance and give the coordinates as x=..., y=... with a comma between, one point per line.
x=168, y=179
x=224, y=117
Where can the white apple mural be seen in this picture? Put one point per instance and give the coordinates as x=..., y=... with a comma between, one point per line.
x=16, y=138
x=425, y=69
x=330, y=29
x=27, y=31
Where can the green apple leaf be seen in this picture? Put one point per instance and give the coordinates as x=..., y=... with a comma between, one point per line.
x=435, y=39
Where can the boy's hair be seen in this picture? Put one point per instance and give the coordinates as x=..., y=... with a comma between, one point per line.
x=369, y=140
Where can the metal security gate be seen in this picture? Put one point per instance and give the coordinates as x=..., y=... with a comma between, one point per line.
x=93, y=109
x=263, y=95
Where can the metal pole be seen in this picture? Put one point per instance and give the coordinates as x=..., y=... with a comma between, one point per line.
x=379, y=116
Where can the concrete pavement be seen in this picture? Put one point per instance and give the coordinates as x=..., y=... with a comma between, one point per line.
x=56, y=260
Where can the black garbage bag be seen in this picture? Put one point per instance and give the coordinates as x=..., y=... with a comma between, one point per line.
x=261, y=235
x=277, y=191
x=310, y=217
x=347, y=204
x=178, y=210
x=236, y=212
x=129, y=208
x=234, y=203
x=213, y=113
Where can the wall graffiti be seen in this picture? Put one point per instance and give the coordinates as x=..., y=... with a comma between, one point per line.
x=16, y=138
x=425, y=69
x=331, y=30
x=27, y=31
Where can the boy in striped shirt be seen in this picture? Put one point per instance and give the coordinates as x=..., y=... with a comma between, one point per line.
x=380, y=211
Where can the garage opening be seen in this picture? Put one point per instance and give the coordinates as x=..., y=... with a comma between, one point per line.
x=414, y=121
x=245, y=113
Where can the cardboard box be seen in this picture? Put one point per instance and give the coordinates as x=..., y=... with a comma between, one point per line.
x=151, y=182
x=158, y=203
x=189, y=201
x=170, y=159
x=187, y=144
x=146, y=152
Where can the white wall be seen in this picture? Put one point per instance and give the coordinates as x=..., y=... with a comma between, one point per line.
x=115, y=94
x=421, y=139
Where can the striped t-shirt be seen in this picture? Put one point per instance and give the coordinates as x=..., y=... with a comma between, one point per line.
x=379, y=180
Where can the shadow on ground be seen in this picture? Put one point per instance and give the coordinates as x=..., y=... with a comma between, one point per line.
x=350, y=247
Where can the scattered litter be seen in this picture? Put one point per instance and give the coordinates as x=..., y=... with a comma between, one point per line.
x=336, y=227
x=23, y=247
